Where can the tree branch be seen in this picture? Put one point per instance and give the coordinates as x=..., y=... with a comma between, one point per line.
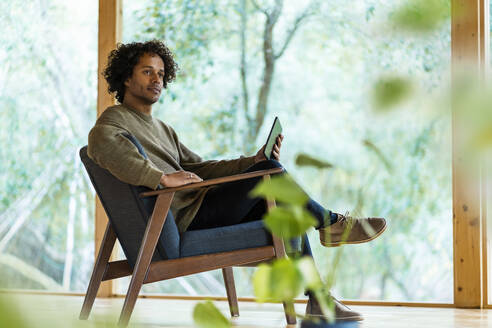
x=244, y=86
x=402, y=286
x=31, y=237
x=290, y=34
x=29, y=271
x=269, y=63
x=277, y=10
x=210, y=280
x=258, y=8
x=268, y=70
x=187, y=286
x=19, y=212
x=67, y=269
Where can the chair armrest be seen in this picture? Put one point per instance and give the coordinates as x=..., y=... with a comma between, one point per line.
x=216, y=181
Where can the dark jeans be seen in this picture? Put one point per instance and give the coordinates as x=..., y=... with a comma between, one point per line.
x=230, y=204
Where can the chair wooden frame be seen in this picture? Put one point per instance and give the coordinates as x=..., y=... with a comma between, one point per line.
x=146, y=272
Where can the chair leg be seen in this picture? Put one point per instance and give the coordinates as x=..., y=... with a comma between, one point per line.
x=231, y=291
x=98, y=272
x=290, y=314
x=147, y=248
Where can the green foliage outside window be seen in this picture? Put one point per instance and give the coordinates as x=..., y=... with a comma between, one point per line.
x=47, y=104
x=327, y=60
x=353, y=90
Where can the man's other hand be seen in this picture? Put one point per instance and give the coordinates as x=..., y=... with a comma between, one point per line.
x=260, y=156
x=179, y=178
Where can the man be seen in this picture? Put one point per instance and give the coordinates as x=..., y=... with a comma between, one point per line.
x=136, y=73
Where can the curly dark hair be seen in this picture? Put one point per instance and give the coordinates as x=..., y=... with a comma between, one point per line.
x=123, y=59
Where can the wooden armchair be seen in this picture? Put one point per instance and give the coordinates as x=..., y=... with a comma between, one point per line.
x=155, y=251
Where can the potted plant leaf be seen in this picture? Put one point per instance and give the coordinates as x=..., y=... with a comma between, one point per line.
x=284, y=279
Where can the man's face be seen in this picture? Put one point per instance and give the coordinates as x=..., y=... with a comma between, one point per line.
x=147, y=79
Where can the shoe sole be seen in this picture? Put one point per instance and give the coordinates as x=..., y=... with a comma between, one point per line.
x=324, y=243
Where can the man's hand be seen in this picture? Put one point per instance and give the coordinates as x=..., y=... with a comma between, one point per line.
x=179, y=178
x=260, y=156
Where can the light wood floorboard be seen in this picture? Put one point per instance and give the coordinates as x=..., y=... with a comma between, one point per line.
x=62, y=311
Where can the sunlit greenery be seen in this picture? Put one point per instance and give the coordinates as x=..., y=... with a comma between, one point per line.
x=382, y=151
x=47, y=105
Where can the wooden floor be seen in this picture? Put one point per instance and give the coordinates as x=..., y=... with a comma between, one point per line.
x=62, y=311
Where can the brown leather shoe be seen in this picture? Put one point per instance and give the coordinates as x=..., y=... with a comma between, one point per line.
x=342, y=312
x=348, y=230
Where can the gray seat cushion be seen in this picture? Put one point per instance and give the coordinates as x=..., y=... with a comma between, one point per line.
x=223, y=239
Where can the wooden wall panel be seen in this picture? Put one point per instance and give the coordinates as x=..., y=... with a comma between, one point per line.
x=110, y=23
x=465, y=55
x=485, y=71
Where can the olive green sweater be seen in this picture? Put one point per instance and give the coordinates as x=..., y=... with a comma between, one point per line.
x=166, y=154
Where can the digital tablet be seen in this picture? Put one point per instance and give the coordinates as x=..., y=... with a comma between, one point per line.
x=272, y=137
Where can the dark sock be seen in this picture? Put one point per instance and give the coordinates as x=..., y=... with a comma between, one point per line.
x=333, y=217
x=329, y=219
x=323, y=216
x=309, y=294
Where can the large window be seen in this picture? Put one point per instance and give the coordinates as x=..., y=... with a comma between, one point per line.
x=394, y=164
x=48, y=77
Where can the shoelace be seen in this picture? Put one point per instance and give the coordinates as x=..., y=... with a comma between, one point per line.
x=351, y=221
x=347, y=219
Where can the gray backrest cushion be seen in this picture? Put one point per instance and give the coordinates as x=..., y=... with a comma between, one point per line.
x=169, y=239
x=129, y=214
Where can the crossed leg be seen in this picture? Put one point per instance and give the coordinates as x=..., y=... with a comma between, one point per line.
x=230, y=204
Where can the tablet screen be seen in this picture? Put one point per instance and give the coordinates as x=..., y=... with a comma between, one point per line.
x=272, y=137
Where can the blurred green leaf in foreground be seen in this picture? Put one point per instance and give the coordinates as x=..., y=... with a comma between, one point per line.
x=289, y=222
x=422, y=15
x=308, y=160
x=9, y=315
x=206, y=315
x=278, y=282
x=472, y=108
x=390, y=91
x=281, y=188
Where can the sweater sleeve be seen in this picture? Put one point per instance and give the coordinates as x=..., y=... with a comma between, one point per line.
x=216, y=169
x=109, y=149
